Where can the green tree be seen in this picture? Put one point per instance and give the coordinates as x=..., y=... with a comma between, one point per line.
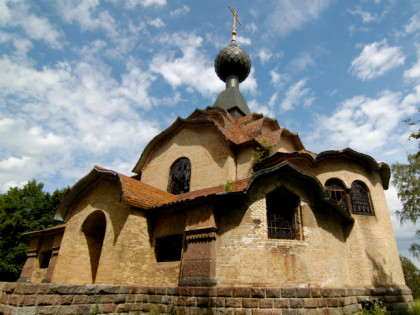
x=411, y=276
x=406, y=178
x=23, y=210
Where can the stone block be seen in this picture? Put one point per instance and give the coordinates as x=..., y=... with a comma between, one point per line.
x=108, y=308
x=30, y=300
x=242, y=292
x=288, y=293
x=226, y=292
x=15, y=300
x=107, y=289
x=83, y=309
x=310, y=303
x=48, y=310
x=257, y=292
x=166, y=299
x=201, y=291
x=123, y=308
x=28, y=288
x=266, y=303
x=65, y=289
x=250, y=303
x=120, y=298
x=303, y=292
x=296, y=303
x=89, y=289
x=80, y=299
x=52, y=299
x=233, y=302
x=203, y=301
x=316, y=292
x=66, y=299
x=281, y=303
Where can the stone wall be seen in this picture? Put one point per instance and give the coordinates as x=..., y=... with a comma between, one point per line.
x=25, y=298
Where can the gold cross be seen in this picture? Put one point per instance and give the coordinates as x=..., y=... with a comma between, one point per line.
x=235, y=18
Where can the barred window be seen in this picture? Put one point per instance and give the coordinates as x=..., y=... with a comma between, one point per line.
x=360, y=199
x=337, y=192
x=179, y=177
x=283, y=215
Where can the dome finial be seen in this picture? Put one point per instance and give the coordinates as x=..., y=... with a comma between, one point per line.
x=235, y=18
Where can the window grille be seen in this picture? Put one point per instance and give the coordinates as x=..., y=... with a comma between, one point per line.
x=179, y=177
x=283, y=215
x=336, y=192
x=360, y=200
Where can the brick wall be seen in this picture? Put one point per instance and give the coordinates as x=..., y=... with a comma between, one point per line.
x=25, y=298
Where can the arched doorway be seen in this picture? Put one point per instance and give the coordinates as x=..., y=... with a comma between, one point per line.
x=94, y=230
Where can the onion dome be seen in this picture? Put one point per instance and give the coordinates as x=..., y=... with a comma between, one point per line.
x=232, y=60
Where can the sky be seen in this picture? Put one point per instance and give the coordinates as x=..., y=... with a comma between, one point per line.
x=90, y=82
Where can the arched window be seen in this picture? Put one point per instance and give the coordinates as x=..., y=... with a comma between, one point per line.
x=179, y=177
x=94, y=230
x=337, y=192
x=360, y=199
x=283, y=215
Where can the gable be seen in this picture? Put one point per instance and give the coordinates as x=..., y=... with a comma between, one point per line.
x=212, y=159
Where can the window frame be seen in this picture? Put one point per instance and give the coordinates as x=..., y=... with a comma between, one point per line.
x=274, y=202
x=368, y=200
x=176, y=184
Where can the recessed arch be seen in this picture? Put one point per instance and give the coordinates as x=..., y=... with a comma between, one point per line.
x=360, y=198
x=180, y=176
x=337, y=192
x=94, y=228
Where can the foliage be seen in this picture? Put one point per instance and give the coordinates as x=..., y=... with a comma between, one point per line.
x=374, y=307
x=228, y=186
x=23, y=210
x=263, y=151
x=406, y=177
x=411, y=276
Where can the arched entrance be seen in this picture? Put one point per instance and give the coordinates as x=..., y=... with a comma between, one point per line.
x=94, y=230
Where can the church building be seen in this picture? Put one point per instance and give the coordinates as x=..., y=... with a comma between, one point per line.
x=226, y=198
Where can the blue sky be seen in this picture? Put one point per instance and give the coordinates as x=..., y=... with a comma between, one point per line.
x=89, y=82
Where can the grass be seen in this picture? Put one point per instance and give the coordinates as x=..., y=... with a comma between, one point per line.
x=377, y=308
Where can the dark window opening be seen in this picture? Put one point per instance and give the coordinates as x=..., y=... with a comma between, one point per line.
x=168, y=248
x=337, y=192
x=179, y=177
x=283, y=215
x=360, y=199
x=45, y=259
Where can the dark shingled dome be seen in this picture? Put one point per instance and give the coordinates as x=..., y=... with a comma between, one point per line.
x=232, y=60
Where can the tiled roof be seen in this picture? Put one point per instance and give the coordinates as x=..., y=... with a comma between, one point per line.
x=237, y=131
x=138, y=194
x=48, y=230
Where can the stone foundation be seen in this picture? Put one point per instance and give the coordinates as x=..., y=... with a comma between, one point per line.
x=45, y=298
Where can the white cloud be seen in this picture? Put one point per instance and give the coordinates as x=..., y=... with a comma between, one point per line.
x=62, y=120
x=413, y=25
x=366, y=16
x=180, y=11
x=145, y=3
x=301, y=62
x=157, y=23
x=376, y=59
x=296, y=94
x=368, y=125
x=193, y=69
x=278, y=80
x=87, y=14
x=243, y=41
x=255, y=107
x=35, y=27
x=414, y=72
x=289, y=15
x=264, y=55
